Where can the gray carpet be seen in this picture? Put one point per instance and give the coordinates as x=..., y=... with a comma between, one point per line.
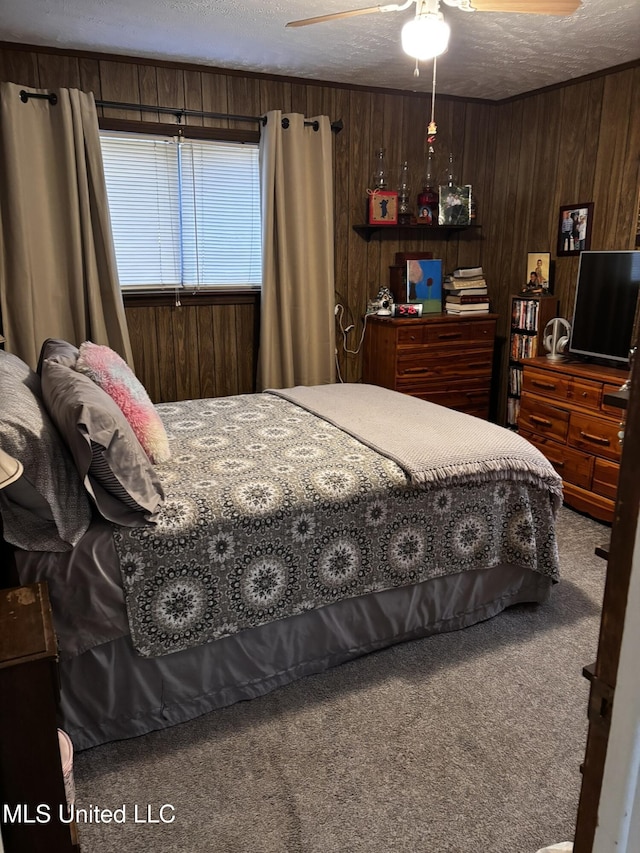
x=460, y=743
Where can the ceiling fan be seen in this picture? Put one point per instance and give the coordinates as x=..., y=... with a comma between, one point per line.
x=534, y=7
x=426, y=36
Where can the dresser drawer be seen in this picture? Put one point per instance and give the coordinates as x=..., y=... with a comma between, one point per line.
x=594, y=435
x=457, y=332
x=572, y=465
x=615, y=411
x=543, y=419
x=463, y=399
x=605, y=478
x=439, y=365
x=411, y=335
x=581, y=392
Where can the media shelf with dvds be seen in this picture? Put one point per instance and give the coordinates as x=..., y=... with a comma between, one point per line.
x=529, y=315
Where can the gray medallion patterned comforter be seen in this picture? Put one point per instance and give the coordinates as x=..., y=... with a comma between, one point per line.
x=272, y=510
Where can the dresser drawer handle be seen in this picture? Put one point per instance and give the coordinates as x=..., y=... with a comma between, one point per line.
x=413, y=370
x=478, y=364
x=596, y=439
x=541, y=421
x=549, y=386
x=444, y=336
x=556, y=464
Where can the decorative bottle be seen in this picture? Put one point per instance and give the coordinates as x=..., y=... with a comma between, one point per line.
x=404, y=189
x=472, y=204
x=380, y=178
x=428, y=198
x=453, y=210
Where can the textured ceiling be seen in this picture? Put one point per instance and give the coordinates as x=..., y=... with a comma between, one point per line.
x=491, y=55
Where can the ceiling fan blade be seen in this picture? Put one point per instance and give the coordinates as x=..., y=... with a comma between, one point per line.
x=532, y=7
x=320, y=19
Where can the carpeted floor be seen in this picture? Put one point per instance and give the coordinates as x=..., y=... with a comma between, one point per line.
x=459, y=743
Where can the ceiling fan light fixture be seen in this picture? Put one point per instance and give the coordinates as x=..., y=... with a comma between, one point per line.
x=426, y=36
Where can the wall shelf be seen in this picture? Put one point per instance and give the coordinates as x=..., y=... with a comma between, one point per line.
x=431, y=232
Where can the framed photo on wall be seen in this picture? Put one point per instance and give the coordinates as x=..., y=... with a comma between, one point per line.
x=574, y=228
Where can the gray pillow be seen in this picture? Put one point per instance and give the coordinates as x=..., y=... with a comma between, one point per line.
x=115, y=469
x=51, y=512
x=62, y=351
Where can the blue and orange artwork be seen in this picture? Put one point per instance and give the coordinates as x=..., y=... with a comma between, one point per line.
x=424, y=284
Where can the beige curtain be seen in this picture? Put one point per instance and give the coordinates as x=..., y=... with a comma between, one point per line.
x=297, y=321
x=58, y=275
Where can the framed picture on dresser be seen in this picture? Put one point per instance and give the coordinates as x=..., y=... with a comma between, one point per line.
x=424, y=284
x=538, y=273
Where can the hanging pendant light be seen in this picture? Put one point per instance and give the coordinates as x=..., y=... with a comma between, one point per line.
x=427, y=35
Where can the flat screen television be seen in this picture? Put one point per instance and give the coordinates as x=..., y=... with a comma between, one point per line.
x=605, y=306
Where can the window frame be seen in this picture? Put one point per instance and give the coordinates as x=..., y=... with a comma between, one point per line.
x=149, y=294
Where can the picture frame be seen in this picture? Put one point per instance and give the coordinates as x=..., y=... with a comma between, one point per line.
x=538, y=277
x=424, y=284
x=454, y=207
x=383, y=207
x=574, y=228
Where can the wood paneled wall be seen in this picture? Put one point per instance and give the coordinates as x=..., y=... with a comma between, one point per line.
x=205, y=346
x=524, y=158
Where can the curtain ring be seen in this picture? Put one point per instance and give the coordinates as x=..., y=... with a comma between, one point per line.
x=285, y=123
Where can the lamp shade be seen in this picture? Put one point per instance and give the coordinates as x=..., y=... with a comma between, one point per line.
x=426, y=36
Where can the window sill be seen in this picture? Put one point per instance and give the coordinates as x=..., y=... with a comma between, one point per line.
x=204, y=296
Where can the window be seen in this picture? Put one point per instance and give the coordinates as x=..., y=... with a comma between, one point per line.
x=184, y=212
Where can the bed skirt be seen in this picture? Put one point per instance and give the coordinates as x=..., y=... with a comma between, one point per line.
x=111, y=693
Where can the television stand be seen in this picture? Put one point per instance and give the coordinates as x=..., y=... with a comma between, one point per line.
x=565, y=413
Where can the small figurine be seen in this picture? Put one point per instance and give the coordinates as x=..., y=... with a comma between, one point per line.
x=382, y=304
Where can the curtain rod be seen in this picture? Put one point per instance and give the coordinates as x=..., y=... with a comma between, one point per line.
x=178, y=112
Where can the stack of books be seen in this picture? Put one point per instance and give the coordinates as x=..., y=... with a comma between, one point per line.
x=466, y=292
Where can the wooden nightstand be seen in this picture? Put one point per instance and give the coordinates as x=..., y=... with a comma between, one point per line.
x=30, y=766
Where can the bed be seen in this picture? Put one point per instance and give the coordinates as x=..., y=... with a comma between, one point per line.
x=276, y=535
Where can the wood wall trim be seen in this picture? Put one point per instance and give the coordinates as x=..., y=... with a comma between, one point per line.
x=260, y=75
x=232, y=296
x=595, y=75
x=231, y=72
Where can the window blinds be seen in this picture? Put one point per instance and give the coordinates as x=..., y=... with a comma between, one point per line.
x=184, y=213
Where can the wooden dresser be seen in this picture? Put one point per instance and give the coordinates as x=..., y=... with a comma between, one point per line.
x=439, y=357
x=564, y=413
x=31, y=777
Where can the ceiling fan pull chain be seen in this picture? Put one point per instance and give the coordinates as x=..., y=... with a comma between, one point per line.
x=432, y=128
